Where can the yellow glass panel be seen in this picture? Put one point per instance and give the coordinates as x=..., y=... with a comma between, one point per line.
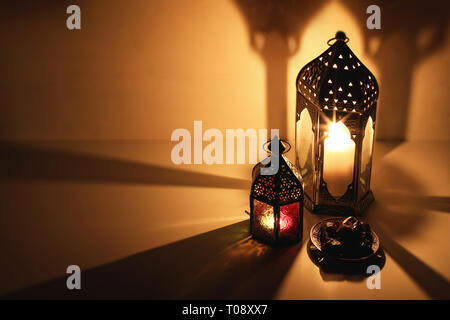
x=264, y=220
x=366, y=159
x=304, y=148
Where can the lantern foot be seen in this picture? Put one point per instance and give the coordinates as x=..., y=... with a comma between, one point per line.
x=339, y=210
x=365, y=202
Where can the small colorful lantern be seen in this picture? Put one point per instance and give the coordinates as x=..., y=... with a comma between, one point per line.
x=336, y=112
x=276, y=200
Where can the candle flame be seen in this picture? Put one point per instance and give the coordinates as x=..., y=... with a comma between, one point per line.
x=338, y=136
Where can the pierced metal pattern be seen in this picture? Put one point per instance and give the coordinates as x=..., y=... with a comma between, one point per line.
x=283, y=187
x=336, y=86
x=337, y=80
x=309, y=81
x=264, y=188
x=290, y=188
x=276, y=202
x=293, y=169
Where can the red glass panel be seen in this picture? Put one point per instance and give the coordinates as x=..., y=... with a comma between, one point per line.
x=289, y=222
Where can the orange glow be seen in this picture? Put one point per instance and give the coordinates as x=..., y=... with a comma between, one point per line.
x=338, y=137
x=268, y=221
x=323, y=26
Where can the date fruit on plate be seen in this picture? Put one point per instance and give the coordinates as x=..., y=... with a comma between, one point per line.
x=349, y=238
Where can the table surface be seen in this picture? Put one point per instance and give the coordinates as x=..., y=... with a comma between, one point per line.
x=140, y=226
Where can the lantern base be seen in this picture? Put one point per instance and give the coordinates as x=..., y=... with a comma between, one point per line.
x=338, y=210
x=277, y=243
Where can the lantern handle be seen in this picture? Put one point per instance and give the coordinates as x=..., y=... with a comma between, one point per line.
x=285, y=142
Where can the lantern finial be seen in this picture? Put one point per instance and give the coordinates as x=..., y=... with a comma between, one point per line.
x=340, y=35
x=281, y=145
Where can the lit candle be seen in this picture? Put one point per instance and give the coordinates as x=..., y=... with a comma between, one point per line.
x=339, y=153
x=268, y=220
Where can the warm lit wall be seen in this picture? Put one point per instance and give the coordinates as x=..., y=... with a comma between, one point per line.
x=137, y=69
x=333, y=16
x=407, y=56
x=141, y=68
x=429, y=101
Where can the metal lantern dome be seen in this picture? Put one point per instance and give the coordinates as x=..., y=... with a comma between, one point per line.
x=335, y=122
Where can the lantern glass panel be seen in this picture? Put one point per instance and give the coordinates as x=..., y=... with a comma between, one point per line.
x=304, y=147
x=289, y=221
x=264, y=220
x=366, y=165
x=339, y=155
x=340, y=95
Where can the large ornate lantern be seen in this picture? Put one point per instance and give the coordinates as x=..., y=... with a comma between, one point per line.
x=336, y=113
x=276, y=200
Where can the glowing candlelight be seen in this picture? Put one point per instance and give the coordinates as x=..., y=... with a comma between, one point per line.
x=339, y=153
x=267, y=221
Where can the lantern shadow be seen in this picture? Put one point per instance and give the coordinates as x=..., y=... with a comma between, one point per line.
x=411, y=31
x=275, y=28
x=435, y=285
x=383, y=209
x=419, y=202
x=221, y=264
x=26, y=162
x=400, y=210
x=401, y=214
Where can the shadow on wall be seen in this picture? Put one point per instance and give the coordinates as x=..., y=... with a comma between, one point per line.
x=411, y=32
x=147, y=65
x=221, y=264
x=23, y=162
x=275, y=28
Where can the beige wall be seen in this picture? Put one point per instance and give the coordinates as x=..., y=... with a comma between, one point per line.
x=139, y=69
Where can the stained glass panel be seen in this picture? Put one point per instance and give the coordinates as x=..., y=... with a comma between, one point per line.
x=366, y=158
x=263, y=221
x=289, y=222
x=304, y=148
